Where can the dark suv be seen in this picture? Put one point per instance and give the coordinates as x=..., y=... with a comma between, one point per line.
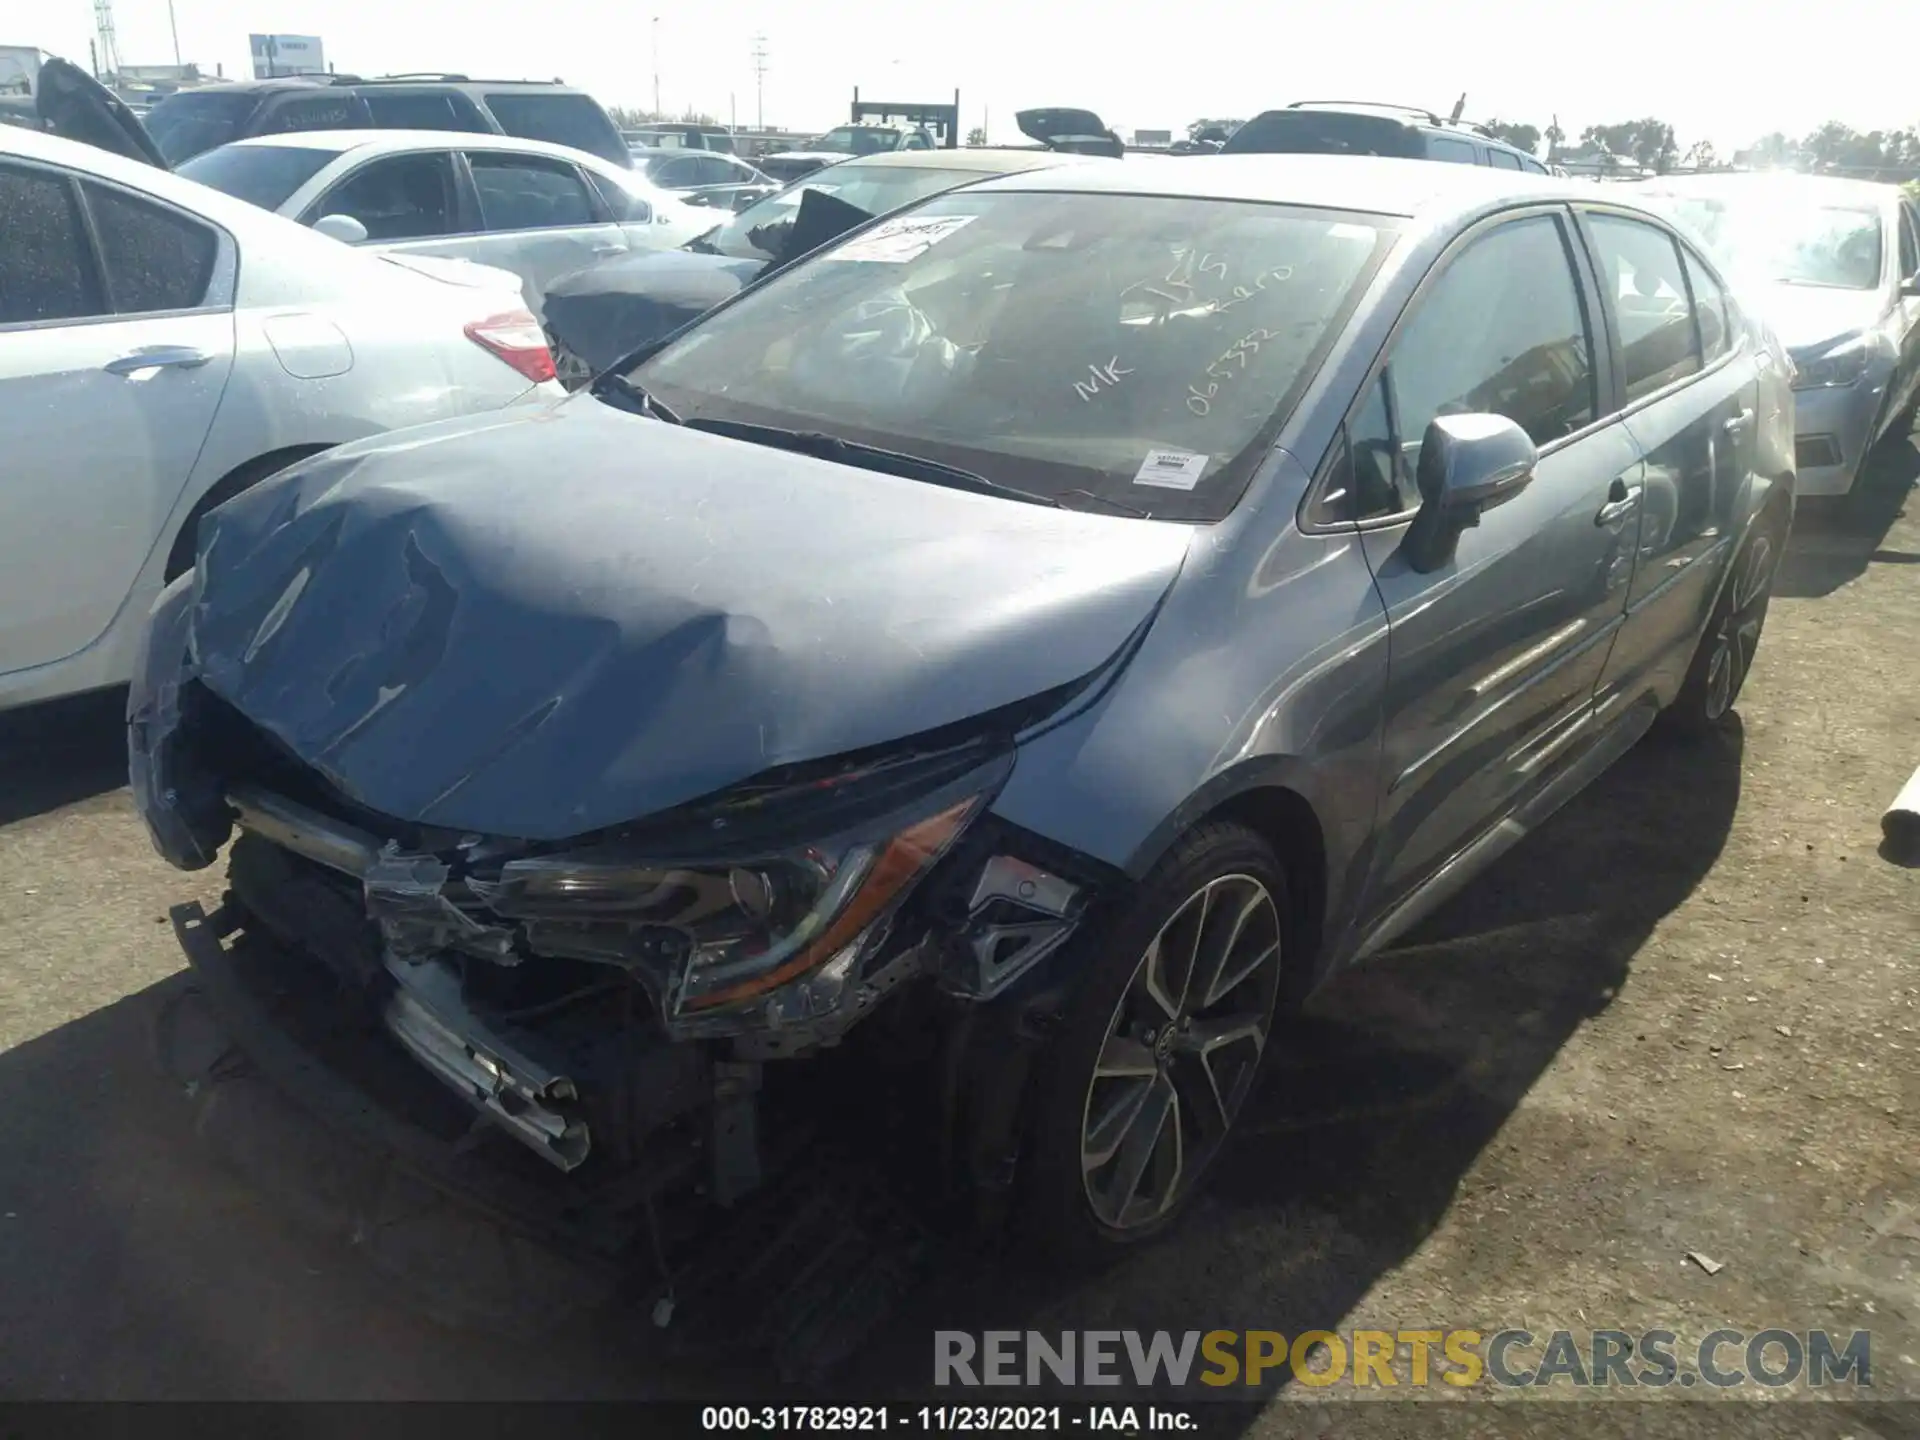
x=191, y=121
x=1357, y=127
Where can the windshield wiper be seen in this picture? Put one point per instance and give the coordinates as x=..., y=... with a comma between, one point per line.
x=866, y=457
x=630, y=396
x=1122, y=506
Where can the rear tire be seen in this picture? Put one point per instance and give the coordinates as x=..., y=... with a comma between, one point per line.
x=1162, y=1045
x=1727, y=646
x=244, y=477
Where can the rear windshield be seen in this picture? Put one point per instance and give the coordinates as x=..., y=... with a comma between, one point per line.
x=876, y=189
x=183, y=125
x=1319, y=132
x=561, y=119
x=423, y=110
x=1107, y=352
x=263, y=175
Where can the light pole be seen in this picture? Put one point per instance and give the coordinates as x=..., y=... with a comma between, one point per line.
x=174, y=25
x=656, y=68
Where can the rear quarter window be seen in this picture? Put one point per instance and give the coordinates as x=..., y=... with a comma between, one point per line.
x=155, y=259
x=560, y=120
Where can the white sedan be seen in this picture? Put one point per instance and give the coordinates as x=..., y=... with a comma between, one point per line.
x=162, y=347
x=539, y=210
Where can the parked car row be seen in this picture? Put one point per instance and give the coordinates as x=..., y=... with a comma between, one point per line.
x=1021, y=617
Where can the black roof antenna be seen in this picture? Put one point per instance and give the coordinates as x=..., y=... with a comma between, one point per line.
x=1459, y=107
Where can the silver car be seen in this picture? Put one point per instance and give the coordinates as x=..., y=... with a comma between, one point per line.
x=539, y=210
x=162, y=349
x=1834, y=267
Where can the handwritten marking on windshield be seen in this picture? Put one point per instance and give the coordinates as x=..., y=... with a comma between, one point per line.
x=1176, y=288
x=1100, y=377
x=1230, y=364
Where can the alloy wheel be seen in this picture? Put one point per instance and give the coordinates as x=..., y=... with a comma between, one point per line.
x=1180, y=1052
x=1738, y=635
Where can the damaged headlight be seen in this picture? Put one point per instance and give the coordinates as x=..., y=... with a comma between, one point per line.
x=722, y=924
x=1842, y=365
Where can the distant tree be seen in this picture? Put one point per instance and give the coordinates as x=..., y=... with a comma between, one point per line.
x=1701, y=156
x=1647, y=142
x=977, y=135
x=1556, y=137
x=1521, y=137
x=1774, y=149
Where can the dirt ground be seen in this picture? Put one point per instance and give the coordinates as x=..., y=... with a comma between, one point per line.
x=1685, y=1017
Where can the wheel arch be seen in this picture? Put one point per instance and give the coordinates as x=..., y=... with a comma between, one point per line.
x=240, y=477
x=1274, y=800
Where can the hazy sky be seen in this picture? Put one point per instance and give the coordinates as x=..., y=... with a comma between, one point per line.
x=1717, y=69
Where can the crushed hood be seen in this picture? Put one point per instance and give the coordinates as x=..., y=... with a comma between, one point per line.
x=540, y=625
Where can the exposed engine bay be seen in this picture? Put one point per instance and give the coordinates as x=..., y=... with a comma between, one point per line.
x=614, y=1005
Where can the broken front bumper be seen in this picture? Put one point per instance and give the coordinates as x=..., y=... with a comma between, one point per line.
x=277, y=1011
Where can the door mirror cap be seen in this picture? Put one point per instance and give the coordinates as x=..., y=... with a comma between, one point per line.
x=1910, y=287
x=344, y=228
x=1468, y=465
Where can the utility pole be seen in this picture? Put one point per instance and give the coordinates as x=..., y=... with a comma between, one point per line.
x=174, y=26
x=760, y=82
x=656, y=69
x=107, y=55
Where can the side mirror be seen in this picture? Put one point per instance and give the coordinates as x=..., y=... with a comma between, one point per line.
x=1468, y=464
x=1910, y=287
x=343, y=228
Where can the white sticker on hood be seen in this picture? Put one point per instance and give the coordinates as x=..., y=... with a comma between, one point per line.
x=1171, y=469
x=893, y=242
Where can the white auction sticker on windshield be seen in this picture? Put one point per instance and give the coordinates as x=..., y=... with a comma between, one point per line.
x=893, y=242
x=1171, y=469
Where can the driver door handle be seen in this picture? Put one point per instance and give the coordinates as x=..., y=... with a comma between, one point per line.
x=1622, y=501
x=1734, y=424
x=157, y=357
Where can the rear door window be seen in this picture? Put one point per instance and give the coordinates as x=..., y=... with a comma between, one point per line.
x=46, y=266
x=155, y=259
x=1909, y=241
x=1710, y=306
x=529, y=192
x=674, y=174
x=560, y=119
x=403, y=197
x=1459, y=152
x=1640, y=270
x=425, y=110
x=1503, y=159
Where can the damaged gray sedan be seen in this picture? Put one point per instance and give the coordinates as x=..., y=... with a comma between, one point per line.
x=1058, y=625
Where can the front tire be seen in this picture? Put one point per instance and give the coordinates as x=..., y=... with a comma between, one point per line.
x=1727, y=646
x=1161, y=1047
